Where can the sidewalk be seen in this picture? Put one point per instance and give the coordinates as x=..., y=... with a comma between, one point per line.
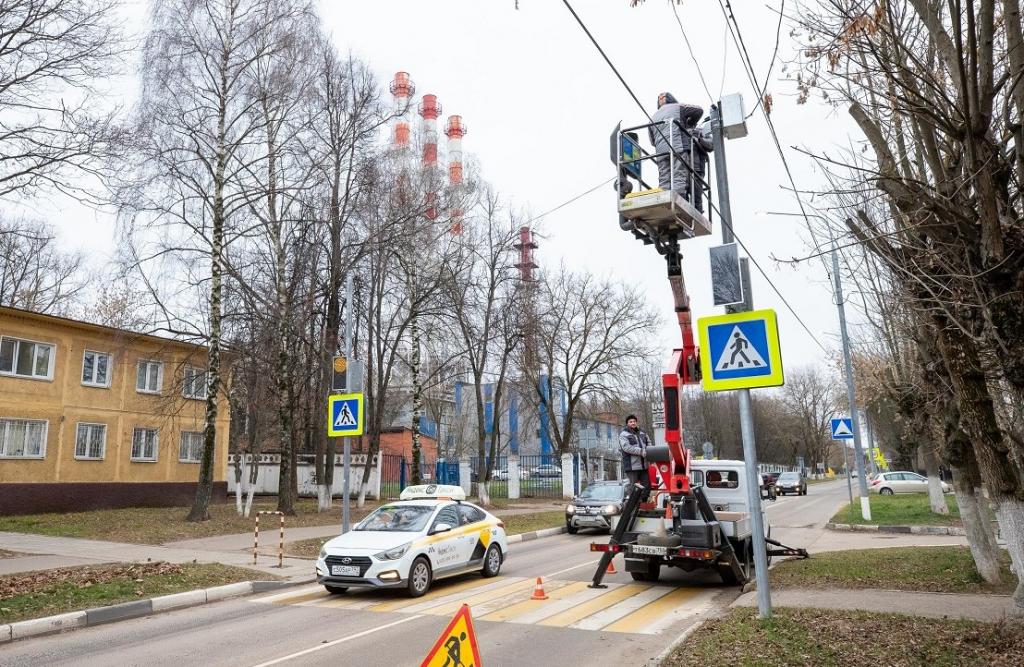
x=49, y=552
x=988, y=608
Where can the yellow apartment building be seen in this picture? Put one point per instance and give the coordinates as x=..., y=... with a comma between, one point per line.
x=96, y=417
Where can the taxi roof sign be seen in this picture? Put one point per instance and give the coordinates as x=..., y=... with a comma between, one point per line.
x=457, y=645
x=433, y=492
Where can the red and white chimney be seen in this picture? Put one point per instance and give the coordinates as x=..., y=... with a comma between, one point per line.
x=402, y=88
x=455, y=130
x=430, y=109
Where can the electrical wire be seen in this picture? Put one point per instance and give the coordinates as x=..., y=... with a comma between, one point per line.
x=569, y=201
x=710, y=203
x=689, y=48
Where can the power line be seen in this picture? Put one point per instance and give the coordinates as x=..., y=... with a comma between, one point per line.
x=690, y=49
x=710, y=203
x=569, y=201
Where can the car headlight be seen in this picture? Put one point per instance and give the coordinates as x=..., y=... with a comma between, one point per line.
x=610, y=509
x=323, y=552
x=570, y=509
x=393, y=554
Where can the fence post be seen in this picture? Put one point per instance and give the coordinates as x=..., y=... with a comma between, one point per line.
x=380, y=465
x=465, y=476
x=568, y=479
x=513, y=476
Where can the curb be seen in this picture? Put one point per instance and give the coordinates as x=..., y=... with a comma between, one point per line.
x=134, y=609
x=670, y=649
x=535, y=535
x=905, y=530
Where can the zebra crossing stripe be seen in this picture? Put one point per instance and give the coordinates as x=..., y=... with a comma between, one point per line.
x=611, y=596
x=642, y=619
x=615, y=612
x=445, y=594
x=527, y=606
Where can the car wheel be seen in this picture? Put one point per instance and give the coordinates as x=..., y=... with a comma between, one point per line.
x=420, y=576
x=886, y=491
x=335, y=590
x=571, y=529
x=492, y=561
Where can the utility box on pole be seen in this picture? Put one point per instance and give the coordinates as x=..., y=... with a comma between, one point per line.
x=734, y=120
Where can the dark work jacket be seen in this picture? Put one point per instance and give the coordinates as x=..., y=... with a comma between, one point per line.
x=633, y=447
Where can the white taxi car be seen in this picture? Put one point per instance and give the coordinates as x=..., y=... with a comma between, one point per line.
x=430, y=533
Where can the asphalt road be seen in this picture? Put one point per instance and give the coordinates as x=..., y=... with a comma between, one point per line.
x=630, y=621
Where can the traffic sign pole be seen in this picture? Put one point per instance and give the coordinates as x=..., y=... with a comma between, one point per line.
x=764, y=600
x=347, y=442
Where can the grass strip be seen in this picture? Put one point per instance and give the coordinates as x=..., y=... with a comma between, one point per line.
x=48, y=592
x=847, y=639
x=904, y=509
x=931, y=569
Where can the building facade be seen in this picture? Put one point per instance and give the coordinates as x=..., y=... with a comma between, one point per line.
x=95, y=417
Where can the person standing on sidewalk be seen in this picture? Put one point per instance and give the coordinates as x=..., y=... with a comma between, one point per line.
x=633, y=444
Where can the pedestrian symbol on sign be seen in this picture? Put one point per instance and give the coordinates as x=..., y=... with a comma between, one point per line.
x=739, y=353
x=345, y=417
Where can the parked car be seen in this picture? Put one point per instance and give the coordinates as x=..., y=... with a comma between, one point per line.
x=888, y=483
x=791, y=482
x=598, y=506
x=546, y=470
x=502, y=475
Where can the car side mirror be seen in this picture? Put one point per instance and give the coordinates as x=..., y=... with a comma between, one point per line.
x=441, y=528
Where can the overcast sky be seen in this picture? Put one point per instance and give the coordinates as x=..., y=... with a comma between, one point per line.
x=540, y=104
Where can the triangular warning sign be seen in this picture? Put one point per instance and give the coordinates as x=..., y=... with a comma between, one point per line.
x=842, y=430
x=456, y=647
x=739, y=354
x=345, y=417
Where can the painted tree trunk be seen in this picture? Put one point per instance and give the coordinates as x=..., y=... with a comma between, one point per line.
x=935, y=496
x=239, y=476
x=417, y=400
x=1010, y=514
x=980, y=537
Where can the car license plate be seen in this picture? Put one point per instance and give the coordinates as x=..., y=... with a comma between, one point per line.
x=345, y=570
x=649, y=550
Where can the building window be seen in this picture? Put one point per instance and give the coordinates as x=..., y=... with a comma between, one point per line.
x=25, y=358
x=150, y=377
x=194, y=385
x=22, y=439
x=144, y=444
x=96, y=369
x=191, y=447
x=91, y=442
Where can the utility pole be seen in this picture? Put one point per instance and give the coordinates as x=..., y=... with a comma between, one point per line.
x=851, y=393
x=871, y=443
x=764, y=600
x=347, y=442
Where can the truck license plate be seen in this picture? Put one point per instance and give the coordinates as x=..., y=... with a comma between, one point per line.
x=345, y=570
x=649, y=550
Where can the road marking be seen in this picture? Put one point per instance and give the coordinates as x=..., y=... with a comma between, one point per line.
x=289, y=594
x=320, y=647
x=299, y=598
x=559, y=606
x=570, y=569
x=485, y=607
x=480, y=598
x=527, y=606
x=444, y=596
x=642, y=619
x=777, y=504
x=615, y=612
x=611, y=596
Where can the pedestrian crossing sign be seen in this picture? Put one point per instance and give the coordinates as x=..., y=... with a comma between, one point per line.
x=740, y=351
x=344, y=415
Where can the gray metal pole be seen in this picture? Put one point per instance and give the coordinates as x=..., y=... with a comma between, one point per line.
x=764, y=599
x=871, y=443
x=851, y=393
x=846, y=467
x=347, y=442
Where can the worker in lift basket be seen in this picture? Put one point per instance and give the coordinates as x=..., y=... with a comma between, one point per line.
x=664, y=131
x=633, y=444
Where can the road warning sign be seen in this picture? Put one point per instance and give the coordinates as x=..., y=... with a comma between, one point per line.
x=345, y=415
x=456, y=647
x=739, y=353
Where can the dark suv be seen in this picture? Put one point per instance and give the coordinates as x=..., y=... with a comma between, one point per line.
x=599, y=506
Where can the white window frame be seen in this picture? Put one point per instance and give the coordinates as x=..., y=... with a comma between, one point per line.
x=14, y=367
x=3, y=438
x=159, y=376
x=181, y=447
x=110, y=366
x=156, y=445
x=198, y=371
x=103, y=444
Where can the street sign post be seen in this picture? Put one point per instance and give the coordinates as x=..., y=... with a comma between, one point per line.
x=344, y=415
x=740, y=351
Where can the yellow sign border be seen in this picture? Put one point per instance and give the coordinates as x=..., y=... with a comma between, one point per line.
x=334, y=398
x=774, y=379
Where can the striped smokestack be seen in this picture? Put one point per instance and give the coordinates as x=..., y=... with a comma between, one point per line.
x=430, y=109
x=455, y=130
x=402, y=88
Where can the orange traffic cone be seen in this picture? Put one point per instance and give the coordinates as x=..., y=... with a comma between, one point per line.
x=538, y=591
x=611, y=568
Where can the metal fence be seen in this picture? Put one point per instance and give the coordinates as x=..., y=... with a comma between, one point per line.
x=499, y=475
x=396, y=473
x=540, y=476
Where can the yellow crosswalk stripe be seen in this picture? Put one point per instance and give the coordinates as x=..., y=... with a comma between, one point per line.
x=587, y=608
x=480, y=598
x=441, y=591
x=644, y=617
x=299, y=599
x=527, y=606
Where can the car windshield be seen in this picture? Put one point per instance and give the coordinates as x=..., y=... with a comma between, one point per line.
x=397, y=519
x=789, y=477
x=602, y=492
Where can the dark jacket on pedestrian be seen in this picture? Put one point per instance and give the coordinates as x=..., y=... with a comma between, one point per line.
x=633, y=444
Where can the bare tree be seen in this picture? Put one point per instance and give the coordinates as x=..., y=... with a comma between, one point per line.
x=812, y=399
x=34, y=274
